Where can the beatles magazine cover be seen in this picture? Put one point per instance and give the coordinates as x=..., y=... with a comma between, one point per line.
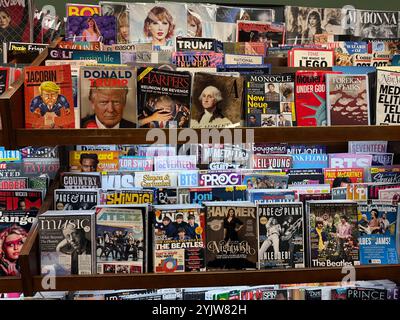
x=347, y=99
x=387, y=97
x=25, y=199
x=163, y=98
x=158, y=24
x=66, y=242
x=108, y=97
x=73, y=199
x=120, y=11
x=231, y=235
x=14, y=228
x=332, y=233
x=216, y=101
x=268, y=98
x=179, y=238
x=48, y=97
x=17, y=21
x=378, y=227
x=92, y=29
x=121, y=239
x=303, y=23
x=201, y=20
x=280, y=235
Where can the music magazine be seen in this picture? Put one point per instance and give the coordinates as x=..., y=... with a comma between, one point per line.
x=179, y=238
x=332, y=233
x=121, y=239
x=231, y=235
x=280, y=235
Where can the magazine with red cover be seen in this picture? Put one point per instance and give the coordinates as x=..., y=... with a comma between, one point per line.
x=310, y=97
x=17, y=21
x=273, y=34
x=347, y=99
x=48, y=97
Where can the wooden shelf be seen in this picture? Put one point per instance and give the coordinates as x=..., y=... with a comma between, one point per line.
x=10, y=284
x=209, y=279
x=53, y=137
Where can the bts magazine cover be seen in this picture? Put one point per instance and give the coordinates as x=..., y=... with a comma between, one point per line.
x=108, y=97
x=92, y=29
x=280, y=235
x=179, y=238
x=231, y=235
x=163, y=98
x=332, y=233
x=303, y=23
x=216, y=101
x=48, y=97
x=121, y=13
x=121, y=239
x=201, y=20
x=158, y=24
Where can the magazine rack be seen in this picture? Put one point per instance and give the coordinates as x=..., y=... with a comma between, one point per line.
x=15, y=136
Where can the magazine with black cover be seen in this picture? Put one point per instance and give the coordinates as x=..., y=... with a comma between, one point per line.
x=22, y=199
x=14, y=228
x=332, y=233
x=281, y=235
x=121, y=237
x=269, y=96
x=21, y=52
x=67, y=242
x=75, y=199
x=231, y=235
x=83, y=180
x=179, y=238
x=163, y=98
x=216, y=101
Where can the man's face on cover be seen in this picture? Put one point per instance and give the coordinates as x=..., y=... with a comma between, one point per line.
x=49, y=97
x=108, y=105
x=73, y=237
x=88, y=165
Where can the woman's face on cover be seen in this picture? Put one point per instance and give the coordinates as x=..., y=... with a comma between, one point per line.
x=4, y=20
x=159, y=29
x=192, y=28
x=13, y=245
x=312, y=21
x=90, y=23
x=124, y=32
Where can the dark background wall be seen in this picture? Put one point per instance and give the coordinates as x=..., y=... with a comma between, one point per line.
x=361, y=4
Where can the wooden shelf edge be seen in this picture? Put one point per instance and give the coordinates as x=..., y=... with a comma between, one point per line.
x=210, y=279
x=10, y=284
x=53, y=137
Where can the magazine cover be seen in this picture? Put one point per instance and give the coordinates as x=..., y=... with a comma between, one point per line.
x=107, y=97
x=332, y=234
x=376, y=24
x=203, y=194
x=390, y=195
x=222, y=178
x=368, y=146
x=179, y=238
x=216, y=101
x=120, y=10
x=23, y=199
x=303, y=23
x=305, y=176
x=17, y=21
x=84, y=180
x=156, y=179
x=377, y=224
x=21, y=52
x=67, y=242
x=387, y=98
x=280, y=235
x=163, y=98
x=310, y=97
x=73, y=199
x=246, y=48
x=261, y=180
x=345, y=51
x=92, y=29
x=122, y=196
x=121, y=239
x=340, y=177
x=269, y=100
x=258, y=196
x=231, y=236
x=317, y=58
x=48, y=97
x=272, y=34
x=347, y=99
x=82, y=10
x=4, y=79
x=201, y=19
x=14, y=228
x=92, y=161
x=348, y=160
x=14, y=183
x=158, y=23
x=115, y=180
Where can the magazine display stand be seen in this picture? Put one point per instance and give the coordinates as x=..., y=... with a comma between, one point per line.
x=14, y=136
